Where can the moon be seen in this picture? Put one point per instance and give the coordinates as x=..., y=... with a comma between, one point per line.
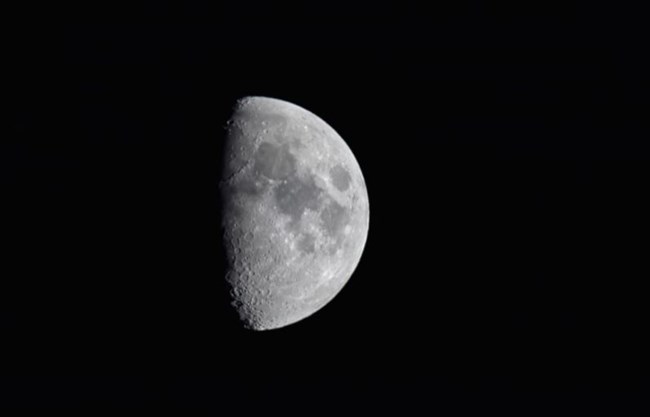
x=295, y=212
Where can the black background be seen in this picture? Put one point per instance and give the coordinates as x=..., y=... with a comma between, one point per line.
x=506, y=158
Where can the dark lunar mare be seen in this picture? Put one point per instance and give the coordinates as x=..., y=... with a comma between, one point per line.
x=295, y=195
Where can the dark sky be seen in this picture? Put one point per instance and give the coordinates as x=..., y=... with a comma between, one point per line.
x=506, y=158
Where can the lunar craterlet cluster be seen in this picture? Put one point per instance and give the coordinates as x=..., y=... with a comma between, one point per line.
x=295, y=212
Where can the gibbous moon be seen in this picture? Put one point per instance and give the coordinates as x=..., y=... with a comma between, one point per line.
x=295, y=212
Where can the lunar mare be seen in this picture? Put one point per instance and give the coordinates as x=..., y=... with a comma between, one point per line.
x=295, y=212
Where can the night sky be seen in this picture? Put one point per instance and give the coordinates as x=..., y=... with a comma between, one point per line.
x=507, y=163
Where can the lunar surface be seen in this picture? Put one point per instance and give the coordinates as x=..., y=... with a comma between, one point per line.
x=295, y=212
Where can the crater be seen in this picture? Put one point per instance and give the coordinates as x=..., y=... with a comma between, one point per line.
x=340, y=177
x=274, y=162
